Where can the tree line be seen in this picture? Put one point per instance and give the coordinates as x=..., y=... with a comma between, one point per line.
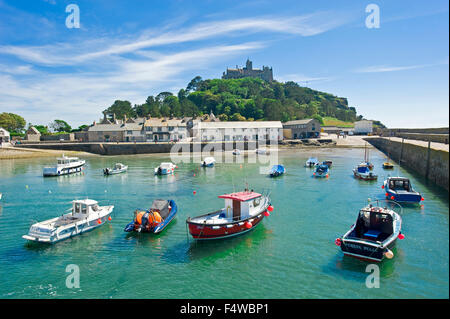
x=239, y=100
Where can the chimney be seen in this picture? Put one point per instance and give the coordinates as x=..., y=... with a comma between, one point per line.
x=124, y=118
x=93, y=124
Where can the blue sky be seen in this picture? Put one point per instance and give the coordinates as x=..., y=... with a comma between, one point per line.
x=397, y=73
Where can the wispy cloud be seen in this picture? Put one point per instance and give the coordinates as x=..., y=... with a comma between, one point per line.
x=385, y=68
x=66, y=54
x=77, y=80
x=301, y=78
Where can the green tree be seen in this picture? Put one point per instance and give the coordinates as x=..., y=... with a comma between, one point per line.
x=60, y=126
x=120, y=109
x=12, y=122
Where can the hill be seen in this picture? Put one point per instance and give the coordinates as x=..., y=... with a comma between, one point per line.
x=242, y=99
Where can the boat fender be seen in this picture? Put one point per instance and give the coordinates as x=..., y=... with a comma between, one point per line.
x=401, y=236
x=270, y=208
x=389, y=254
x=248, y=225
x=337, y=241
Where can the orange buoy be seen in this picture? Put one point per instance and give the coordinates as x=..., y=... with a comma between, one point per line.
x=387, y=194
x=337, y=241
x=248, y=225
x=270, y=208
x=109, y=217
x=401, y=236
x=422, y=199
x=99, y=221
x=266, y=213
x=194, y=192
x=392, y=197
x=382, y=186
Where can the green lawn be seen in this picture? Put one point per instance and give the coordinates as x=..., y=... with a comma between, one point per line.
x=331, y=121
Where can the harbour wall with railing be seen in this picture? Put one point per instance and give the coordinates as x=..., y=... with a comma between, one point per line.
x=430, y=162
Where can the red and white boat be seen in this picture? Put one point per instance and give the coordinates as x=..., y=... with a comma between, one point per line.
x=243, y=211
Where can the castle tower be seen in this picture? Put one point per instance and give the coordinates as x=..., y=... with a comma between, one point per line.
x=248, y=65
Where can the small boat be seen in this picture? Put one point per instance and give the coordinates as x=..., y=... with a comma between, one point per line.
x=1, y=195
x=208, y=162
x=85, y=215
x=236, y=152
x=155, y=219
x=388, y=165
x=243, y=211
x=312, y=161
x=262, y=151
x=117, y=169
x=327, y=163
x=65, y=165
x=399, y=189
x=373, y=235
x=165, y=169
x=363, y=172
x=277, y=170
x=321, y=170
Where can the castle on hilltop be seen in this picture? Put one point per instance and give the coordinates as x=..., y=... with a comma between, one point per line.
x=265, y=73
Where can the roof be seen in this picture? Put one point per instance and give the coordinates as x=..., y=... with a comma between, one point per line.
x=164, y=122
x=239, y=124
x=33, y=130
x=107, y=127
x=241, y=196
x=305, y=121
x=85, y=201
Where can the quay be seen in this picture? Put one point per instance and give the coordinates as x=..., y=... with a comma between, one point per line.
x=426, y=158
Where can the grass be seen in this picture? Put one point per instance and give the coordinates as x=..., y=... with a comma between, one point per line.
x=331, y=121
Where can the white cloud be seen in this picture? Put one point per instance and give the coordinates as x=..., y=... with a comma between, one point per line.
x=384, y=68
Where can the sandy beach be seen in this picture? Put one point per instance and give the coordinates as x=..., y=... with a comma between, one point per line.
x=16, y=153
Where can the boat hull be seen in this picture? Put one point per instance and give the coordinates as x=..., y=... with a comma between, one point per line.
x=222, y=231
x=365, y=177
x=365, y=251
x=57, y=171
x=71, y=230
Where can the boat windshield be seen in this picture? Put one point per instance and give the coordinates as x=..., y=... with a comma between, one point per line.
x=400, y=184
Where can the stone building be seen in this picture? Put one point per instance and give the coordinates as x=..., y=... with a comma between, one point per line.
x=363, y=127
x=301, y=129
x=165, y=130
x=32, y=134
x=265, y=73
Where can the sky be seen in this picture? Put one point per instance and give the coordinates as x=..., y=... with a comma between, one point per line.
x=397, y=73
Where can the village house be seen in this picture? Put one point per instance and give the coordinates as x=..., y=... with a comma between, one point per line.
x=165, y=130
x=238, y=131
x=301, y=129
x=4, y=136
x=363, y=127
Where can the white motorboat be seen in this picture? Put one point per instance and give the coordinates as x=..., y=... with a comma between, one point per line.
x=262, y=151
x=312, y=161
x=208, y=162
x=85, y=215
x=165, y=168
x=1, y=195
x=236, y=152
x=65, y=165
x=117, y=169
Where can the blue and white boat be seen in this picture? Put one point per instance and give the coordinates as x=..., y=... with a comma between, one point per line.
x=363, y=172
x=165, y=169
x=208, y=162
x=399, y=189
x=312, y=162
x=277, y=170
x=155, y=219
x=321, y=170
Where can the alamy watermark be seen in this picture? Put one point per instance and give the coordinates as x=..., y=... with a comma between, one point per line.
x=373, y=279
x=73, y=279
x=373, y=19
x=73, y=19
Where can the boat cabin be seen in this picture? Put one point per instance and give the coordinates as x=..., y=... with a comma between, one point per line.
x=67, y=160
x=374, y=223
x=399, y=183
x=363, y=169
x=82, y=208
x=241, y=205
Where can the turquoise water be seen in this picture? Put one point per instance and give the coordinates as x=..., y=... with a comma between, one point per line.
x=290, y=255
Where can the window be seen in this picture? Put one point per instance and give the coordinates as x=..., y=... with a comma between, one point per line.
x=159, y=129
x=130, y=132
x=84, y=209
x=170, y=128
x=148, y=128
x=77, y=207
